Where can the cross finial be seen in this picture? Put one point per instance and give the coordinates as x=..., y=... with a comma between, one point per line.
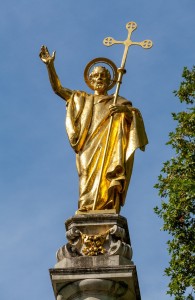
x=130, y=26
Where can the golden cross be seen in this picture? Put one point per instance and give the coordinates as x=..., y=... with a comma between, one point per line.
x=130, y=26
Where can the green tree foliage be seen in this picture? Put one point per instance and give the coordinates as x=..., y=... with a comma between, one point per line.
x=176, y=186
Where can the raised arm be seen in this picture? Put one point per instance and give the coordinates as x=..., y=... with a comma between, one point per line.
x=53, y=77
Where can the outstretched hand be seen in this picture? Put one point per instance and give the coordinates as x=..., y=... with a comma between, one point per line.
x=45, y=56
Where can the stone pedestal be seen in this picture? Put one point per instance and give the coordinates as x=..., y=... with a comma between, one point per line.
x=96, y=263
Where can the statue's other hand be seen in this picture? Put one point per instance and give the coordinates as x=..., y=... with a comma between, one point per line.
x=45, y=56
x=118, y=108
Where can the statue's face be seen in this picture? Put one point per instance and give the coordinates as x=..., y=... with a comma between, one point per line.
x=100, y=80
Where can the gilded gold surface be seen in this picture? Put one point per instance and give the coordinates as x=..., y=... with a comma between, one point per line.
x=98, y=60
x=104, y=131
x=93, y=244
x=130, y=26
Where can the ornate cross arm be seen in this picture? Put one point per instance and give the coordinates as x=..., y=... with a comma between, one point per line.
x=130, y=26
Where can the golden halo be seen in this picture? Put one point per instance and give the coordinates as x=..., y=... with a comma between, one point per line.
x=96, y=61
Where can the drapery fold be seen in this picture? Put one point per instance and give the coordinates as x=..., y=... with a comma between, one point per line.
x=87, y=123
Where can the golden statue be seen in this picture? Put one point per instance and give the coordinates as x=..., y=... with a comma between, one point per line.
x=104, y=131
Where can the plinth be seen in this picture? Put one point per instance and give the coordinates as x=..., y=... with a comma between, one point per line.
x=96, y=262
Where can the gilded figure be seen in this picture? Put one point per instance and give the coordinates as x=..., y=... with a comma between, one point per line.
x=87, y=125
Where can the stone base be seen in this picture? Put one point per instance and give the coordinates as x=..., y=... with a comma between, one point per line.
x=93, y=262
x=96, y=263
x=96, y=234
x=100, y=283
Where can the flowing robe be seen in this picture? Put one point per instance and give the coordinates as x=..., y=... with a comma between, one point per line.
x=87, y=124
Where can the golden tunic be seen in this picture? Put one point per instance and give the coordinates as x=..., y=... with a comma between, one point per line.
x=87, y=123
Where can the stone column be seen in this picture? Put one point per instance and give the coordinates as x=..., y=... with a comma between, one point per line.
x=97, y=289
x=96, y=263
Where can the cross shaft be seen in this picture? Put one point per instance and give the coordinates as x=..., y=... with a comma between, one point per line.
x=109, y=41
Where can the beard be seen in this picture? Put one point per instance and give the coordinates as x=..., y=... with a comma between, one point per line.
x=100, y=86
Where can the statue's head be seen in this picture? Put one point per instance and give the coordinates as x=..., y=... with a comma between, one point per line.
x=100, y=79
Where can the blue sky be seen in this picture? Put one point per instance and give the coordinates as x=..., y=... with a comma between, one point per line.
x=38, y=178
